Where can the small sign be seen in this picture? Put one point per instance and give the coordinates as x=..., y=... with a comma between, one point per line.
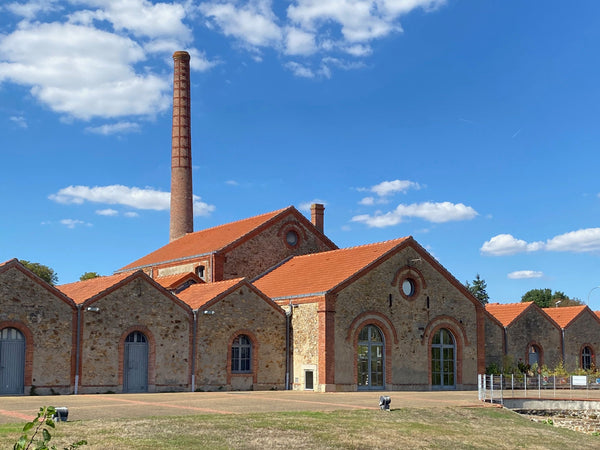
x=579, y=380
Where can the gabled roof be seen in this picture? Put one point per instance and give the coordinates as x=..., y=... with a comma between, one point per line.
x=199, y=295
x=564, y=315
x=212, y=240
x=507, y=313
x=320, y=273
x=174, y=281
x=80, y=291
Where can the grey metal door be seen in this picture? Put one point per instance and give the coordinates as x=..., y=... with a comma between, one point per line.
x=12, y=361
x=136, y=363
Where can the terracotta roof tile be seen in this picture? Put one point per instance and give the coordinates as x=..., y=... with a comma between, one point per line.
x=564, y=315
x=80, y=291
x=204, y=241
x=321, y=272
x=174, y=281
x=198, y=295
x=506, y=313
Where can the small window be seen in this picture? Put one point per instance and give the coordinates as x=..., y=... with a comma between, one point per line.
x=200, y=271
x=136, y=336
x=586, y=358
x=291, y=238
x=309, y=383
x=241, y=354
x=408, y=287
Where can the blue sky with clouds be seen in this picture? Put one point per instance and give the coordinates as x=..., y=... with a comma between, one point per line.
x=471, y=125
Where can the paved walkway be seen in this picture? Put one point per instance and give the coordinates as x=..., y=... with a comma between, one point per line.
x=86, y=407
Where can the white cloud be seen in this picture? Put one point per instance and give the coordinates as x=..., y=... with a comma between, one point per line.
x=367, y=201
x=115, y=128
x=299, y=42
x=72, y=223
x=123, y=195
x=253, y=23
x=524, y=274
x=81, y=71
x=431, y=212
x=131, y=214
x=305, y=206
x=386, y=188
x=107, y=212
x=29, y=10
x=299, y=70
x=19, y=121
x=580, y=241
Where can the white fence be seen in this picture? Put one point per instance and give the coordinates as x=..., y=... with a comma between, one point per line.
x=495, y=388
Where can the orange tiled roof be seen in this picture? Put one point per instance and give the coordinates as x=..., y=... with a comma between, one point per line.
x=506, y=313
x=200, y=294
x=204, y=241
x=173, y=281
x=80, y=291
x=321, y=272
x=564, y=315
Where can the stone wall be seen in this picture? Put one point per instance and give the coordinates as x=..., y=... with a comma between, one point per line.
x=494, y=338
x=242, y=311
x=534, y=327
x=304, y=342
x=46, y=319
x=269, y=247
x=136, y=306
x=584, y=330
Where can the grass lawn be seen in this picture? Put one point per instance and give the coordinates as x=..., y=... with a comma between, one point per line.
x=403, y=428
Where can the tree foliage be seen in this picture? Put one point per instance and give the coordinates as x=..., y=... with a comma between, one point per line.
x=478, y=289
x=545, y=298
x=89, y=276
x=44, y=272
x=40, y=428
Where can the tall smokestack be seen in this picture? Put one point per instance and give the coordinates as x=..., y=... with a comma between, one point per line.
x=182, y=208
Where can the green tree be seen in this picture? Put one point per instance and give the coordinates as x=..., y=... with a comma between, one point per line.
x=44, y=272
x=545, y=298
x=478, y=289
x=88, y=276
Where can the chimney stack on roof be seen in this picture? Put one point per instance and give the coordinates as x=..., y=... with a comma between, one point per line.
x=317, y=216
x=182, y=207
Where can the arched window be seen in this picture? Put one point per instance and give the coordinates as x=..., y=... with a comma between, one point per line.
x=241, y=354
x=370, y=362
x=534, y=355
x=443, y=359
x=586, y=358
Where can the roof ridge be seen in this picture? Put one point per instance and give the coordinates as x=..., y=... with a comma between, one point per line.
x=339, y=250
x=274, y=213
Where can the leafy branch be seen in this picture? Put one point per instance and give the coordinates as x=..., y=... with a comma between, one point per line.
x=41, y=425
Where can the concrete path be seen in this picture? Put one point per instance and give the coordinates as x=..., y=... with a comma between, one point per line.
x=86, y=407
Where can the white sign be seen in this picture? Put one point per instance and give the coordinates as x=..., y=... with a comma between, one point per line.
x=579, y=380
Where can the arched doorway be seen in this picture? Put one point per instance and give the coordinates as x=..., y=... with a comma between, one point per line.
x=135, y=364
x=12, y=361
x=371, y=364
x=443, y=360
x=534, y=355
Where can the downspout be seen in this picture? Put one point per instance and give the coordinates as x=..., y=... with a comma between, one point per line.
x=505, y=349
x=194, y=337
x=288, y=320
x=562, y=343
x=77, y=350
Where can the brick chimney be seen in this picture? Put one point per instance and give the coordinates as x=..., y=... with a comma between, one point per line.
x=182, y=209
x=317, y=215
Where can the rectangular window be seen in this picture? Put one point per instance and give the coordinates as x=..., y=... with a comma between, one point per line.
x=308, y=380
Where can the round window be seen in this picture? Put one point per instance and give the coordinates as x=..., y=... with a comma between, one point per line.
x=291, y=238
x=408, y=287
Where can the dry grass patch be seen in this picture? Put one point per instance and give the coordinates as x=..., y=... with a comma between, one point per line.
x=400, y=428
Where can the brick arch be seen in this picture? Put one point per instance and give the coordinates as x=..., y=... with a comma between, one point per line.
x=29, y=346
x=409, y=272
x=253, y=355
x=386, y=327
x=151, y=352
x=291, y=225
x=460, y=340
x=541, y=354
x=591, y=347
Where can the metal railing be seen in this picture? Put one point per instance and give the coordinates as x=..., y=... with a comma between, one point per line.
x=495, y=388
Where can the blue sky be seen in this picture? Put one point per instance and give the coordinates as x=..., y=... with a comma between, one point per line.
x=471, y=125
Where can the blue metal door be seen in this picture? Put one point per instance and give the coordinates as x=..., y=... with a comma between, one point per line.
x=12, y=361
x=135, y=366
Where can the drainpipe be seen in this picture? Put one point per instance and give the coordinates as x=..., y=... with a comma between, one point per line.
x=505, y=341
x=77, y=350
x=288, y=320
x=194, y=336
x=562, y=343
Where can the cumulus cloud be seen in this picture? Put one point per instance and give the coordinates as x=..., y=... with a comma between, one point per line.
x=305, y=206
x=580, y=241
x=134, y=197
x=429, y=211
x=524, y=274
x=385, y=189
